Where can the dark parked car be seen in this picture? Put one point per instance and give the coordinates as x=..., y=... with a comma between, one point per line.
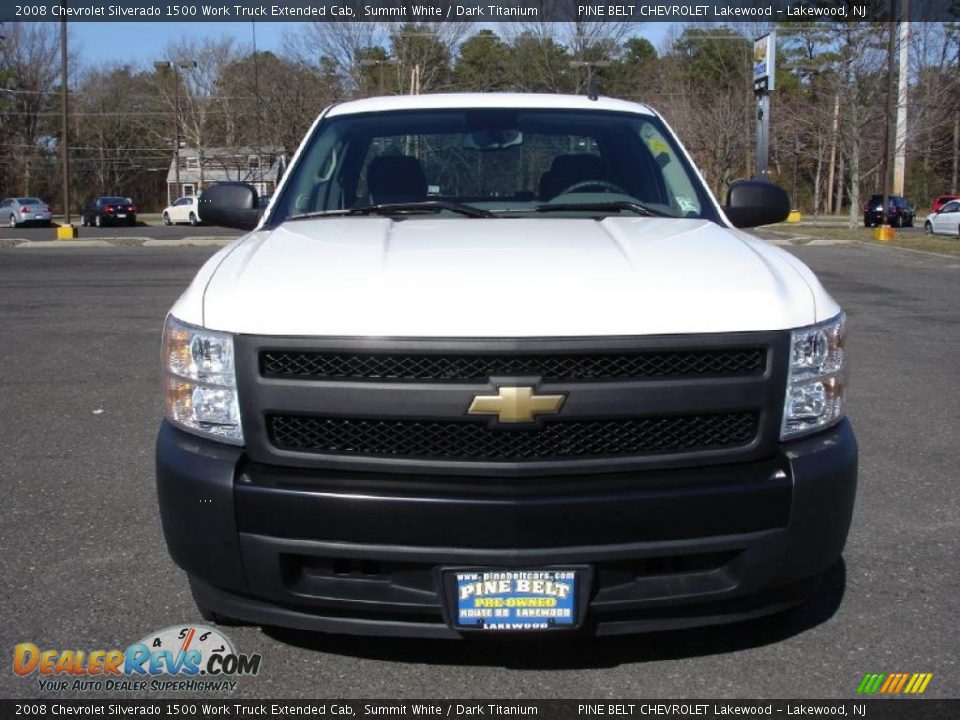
x=109, y=211
x=900, y=213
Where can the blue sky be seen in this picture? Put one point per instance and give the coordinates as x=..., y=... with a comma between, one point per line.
x=141, y=43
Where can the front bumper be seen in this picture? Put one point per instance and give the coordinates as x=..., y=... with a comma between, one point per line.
x=358, y=553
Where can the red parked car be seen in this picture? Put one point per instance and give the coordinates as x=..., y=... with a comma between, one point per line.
x=940, y=200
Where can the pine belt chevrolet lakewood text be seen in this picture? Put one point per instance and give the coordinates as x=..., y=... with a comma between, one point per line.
x=501, y=363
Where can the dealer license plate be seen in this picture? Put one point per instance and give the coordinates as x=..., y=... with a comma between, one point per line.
x=516, y=599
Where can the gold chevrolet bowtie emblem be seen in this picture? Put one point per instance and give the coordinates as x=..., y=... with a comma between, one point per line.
x=516, y=404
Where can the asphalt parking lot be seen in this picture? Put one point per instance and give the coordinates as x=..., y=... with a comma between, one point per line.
x=83, y=563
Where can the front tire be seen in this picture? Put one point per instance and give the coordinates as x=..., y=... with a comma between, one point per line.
x=166, y=219
x=218, y=619
x=928, y=228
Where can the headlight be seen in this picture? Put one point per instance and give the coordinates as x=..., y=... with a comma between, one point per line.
x=815, y=386
x=200, y=385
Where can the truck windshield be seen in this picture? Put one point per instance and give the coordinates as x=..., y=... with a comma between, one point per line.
x=501, y=162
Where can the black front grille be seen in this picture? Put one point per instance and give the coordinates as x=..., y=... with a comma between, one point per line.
x=470, y=441
x=477, y=368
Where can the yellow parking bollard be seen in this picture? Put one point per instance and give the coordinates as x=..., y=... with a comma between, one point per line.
x=66, y=232
x=883, y=233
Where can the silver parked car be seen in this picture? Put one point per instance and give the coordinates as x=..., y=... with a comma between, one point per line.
x=24, y=211
x=945, y=221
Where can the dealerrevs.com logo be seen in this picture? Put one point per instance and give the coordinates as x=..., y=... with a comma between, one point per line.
x=186, y=658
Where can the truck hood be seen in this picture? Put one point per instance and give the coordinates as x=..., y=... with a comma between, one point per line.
x=532, y=277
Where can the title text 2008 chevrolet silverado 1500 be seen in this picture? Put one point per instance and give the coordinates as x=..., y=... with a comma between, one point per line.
x=501, y=363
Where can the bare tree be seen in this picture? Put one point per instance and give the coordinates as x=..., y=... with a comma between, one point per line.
x=934, y=109
x=199, y=65
x=705, y=93
x=541, y=45
x=112, y=146
x=861, y=95
x=424, y=54
x=341, y=45
x=30, y=62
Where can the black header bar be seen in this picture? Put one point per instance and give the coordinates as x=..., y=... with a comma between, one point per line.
x=498, y=11
x=219, y=706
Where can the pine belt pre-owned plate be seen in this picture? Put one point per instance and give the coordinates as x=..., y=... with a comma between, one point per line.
x=512, y=599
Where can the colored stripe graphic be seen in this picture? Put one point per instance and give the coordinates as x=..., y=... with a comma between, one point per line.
x=922, y=680
x=891, y=681
x=870, y=683
x=894, y=683
x=900, y=683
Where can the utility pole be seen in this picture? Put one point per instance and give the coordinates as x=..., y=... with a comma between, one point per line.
x=900, y=149
x=956, y=150
x=176, y=68
x=835, y=128
x=415, y=80
x=256, y=90
x=956, y=133
x=592, y=92
x=176, y=135
x=379, y=64
x=64, y=125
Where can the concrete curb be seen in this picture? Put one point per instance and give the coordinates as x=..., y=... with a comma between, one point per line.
x=116, y=242
x=891, y=247
x=799, y=239
x=830, y=241
x=823, y=242
x=208, y=241
x=61, y=243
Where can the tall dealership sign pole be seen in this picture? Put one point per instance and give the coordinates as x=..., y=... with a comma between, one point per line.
x=764, y=72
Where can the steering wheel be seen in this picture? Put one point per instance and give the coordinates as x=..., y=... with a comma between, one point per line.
x=584, y=184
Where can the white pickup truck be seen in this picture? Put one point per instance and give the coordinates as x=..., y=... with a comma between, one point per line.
x=501, y=363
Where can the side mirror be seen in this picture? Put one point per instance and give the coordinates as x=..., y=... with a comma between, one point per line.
x=756, y=202
x=230, y=204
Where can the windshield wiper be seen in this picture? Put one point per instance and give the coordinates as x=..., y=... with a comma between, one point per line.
x=611, y=206
x=401, y=208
